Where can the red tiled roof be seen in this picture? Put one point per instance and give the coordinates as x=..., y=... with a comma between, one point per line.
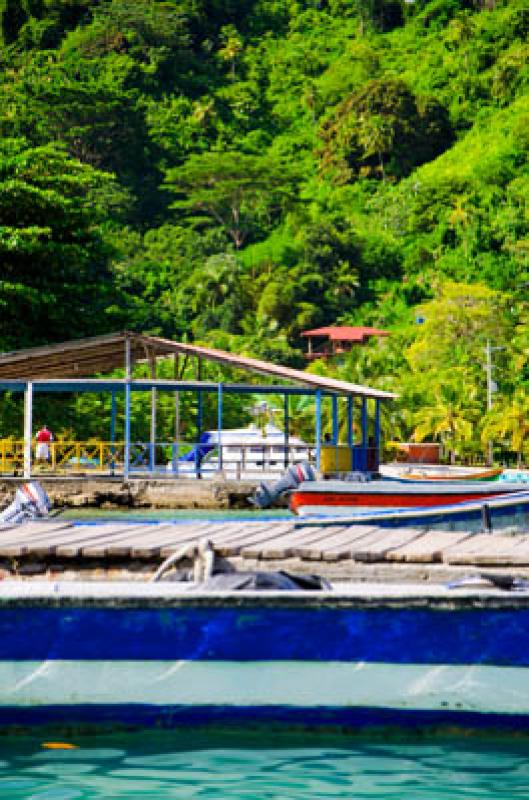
x=346, y=333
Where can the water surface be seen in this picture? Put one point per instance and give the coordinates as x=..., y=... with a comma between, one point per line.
x=249, y=765
x=167, y=514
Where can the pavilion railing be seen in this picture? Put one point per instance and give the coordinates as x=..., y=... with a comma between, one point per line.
x=185, y=459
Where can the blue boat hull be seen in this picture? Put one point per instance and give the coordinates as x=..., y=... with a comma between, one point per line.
x=503, y=513
x=368, y=658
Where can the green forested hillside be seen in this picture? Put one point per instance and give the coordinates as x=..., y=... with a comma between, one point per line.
x=238, y=171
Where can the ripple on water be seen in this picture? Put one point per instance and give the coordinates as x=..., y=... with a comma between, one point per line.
x=178, y=766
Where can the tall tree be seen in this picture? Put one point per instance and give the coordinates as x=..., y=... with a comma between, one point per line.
x=242, y=194
x=383, y=129
x=55, y=283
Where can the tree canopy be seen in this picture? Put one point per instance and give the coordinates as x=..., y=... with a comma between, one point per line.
x=53, y=251
x=236, y=172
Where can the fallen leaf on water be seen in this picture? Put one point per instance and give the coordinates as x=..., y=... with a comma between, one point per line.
x=59, y=746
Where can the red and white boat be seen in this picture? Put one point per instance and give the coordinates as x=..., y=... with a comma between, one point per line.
x=335, y=497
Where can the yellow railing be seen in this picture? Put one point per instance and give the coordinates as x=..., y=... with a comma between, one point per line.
x=64, y=456
x=11, y=455
x=95, y=456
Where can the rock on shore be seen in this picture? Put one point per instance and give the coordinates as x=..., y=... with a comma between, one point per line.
x=78, y=492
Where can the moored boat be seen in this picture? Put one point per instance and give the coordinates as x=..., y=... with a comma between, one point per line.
x=343, y=497
x=154, y=654
x=502, y=513
x=485, y=475
x=437, y=472
x=241, y=453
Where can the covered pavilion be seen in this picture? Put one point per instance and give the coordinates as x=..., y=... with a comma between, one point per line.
x=71, y=367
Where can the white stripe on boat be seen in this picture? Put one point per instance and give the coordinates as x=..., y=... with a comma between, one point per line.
x=295, y=684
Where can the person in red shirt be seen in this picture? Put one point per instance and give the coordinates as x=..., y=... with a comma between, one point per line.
x=44, y=437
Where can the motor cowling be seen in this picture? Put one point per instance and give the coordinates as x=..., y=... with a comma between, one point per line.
x=30, y=502
x=268, y=493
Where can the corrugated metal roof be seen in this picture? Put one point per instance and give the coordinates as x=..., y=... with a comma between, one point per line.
x=101, y=354
x=346, y=333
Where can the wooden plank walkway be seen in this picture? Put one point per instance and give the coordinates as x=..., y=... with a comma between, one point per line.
x=264, y=540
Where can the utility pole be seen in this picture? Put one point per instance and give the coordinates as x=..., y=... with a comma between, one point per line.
x=491, y=388
x=488, y=368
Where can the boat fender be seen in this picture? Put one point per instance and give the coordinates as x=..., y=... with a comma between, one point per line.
x=268, y=493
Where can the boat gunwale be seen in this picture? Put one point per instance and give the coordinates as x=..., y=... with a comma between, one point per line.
x=125, y=595
x=391, y=487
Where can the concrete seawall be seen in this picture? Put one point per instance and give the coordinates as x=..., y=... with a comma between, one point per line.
x=91, y=492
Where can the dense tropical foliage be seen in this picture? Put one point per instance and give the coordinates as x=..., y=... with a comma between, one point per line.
x=236, y=172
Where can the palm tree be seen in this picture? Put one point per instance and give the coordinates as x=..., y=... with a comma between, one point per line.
x=301, y=414
x=510, y=421
x=450, y=417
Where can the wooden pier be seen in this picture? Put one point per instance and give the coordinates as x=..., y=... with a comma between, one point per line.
x=332, y=549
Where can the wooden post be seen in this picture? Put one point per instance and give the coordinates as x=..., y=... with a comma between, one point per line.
x=28, y=428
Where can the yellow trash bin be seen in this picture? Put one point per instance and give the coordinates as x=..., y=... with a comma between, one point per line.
x=336, y=458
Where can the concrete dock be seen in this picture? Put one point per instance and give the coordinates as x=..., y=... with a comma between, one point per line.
x=337, y=551
x=90, y=491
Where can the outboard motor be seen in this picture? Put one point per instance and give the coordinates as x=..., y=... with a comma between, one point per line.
x=267, y=493
x=30, y=502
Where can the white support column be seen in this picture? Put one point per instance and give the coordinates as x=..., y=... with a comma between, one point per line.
x=28, y=428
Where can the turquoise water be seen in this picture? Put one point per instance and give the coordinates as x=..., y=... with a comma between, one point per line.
x=247, y=766
x=167, y=514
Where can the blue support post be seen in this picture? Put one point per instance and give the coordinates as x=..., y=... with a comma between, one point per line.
x=113, y=416
x=287, y=431
x=219, y=424
x=364, y=433
x=152, y=443
x=200, y=413
x=126, y=465
x=350, y=421
x=350, y=431
x=128, y=377
x=318, y=429
x=377, y=434
x=335, y=419
x=176, y=445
